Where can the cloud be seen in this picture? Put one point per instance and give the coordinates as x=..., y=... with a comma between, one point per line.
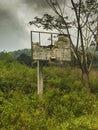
x=37, y=4
x=14, y=18
x=12, y=26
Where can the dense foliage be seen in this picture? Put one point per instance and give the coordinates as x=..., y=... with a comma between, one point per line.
x=65, y=105
x=20, y=52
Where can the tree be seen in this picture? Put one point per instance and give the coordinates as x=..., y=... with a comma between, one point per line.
x=24, y=59
x=6, y=57
x=84, y=16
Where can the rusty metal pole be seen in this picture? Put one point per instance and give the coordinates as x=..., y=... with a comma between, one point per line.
x=39, y=78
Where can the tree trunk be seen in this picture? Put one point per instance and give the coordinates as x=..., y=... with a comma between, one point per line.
x=85, y=80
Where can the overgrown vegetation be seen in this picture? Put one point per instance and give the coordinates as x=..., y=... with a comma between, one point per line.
x=65, y=105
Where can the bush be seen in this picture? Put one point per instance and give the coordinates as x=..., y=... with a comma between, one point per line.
x=16, y=76
x=65, y=105
x=94, y=86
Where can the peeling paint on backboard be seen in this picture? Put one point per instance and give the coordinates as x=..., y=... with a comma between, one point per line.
x=58, y=50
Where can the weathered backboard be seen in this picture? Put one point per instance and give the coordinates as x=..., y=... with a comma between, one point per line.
x=58, y=49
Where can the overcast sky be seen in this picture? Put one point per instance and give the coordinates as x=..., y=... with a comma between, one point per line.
x=14, y=18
